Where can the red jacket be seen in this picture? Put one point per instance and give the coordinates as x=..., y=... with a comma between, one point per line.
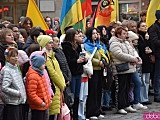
x=37, y=91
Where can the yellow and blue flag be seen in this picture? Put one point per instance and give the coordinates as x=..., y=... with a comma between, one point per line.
x=71, y=13
x=153, y=6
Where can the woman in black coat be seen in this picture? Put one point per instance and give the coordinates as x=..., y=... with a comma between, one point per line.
x=144, y=52
x=72, y=52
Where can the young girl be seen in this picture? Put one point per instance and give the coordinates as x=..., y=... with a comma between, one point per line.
x=38, y=95
x=12, y=86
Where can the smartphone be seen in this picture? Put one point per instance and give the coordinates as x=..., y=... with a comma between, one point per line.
x=82, y=54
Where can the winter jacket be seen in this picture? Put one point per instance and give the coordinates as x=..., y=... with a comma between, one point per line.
x=45, y=72
x=27, y=44
x=3, y=47
x=72, y=56
x=57, y=78
x=2, y=61
x=37, y=91
x=154, y=35
x=61, y=58
x=12, y=85
x=90, y=47
x=121, y=52
x=142, y=44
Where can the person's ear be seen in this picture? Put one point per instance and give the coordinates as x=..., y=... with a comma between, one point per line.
x=7, y=58
x=35, y=39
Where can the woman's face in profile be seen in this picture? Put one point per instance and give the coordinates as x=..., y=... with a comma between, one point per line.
x=94, y=35
x=123, y=35
x=9, y=38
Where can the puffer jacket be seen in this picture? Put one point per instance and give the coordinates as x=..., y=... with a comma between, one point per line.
x=45, y=72
x=60, y=56
x=37, y=91
x=121, y=52
x=57, y=78
x=12, y=85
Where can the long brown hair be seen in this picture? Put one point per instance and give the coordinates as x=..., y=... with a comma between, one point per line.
x=70, y=34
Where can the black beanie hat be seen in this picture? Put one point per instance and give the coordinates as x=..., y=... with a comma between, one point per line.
x=157, y=14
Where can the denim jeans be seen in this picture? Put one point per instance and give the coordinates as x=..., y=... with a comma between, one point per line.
x=76, y=85
x=157, y=79
x=137, y=84
x=82, y=100
x=144, y=87
x=81, y=108
x=106, y=97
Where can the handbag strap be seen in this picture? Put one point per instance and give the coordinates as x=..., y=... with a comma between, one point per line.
x=94, y=51
x=62, y=98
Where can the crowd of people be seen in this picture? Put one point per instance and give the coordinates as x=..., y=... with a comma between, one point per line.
x=104, y=68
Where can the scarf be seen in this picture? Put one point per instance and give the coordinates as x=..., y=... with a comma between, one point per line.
x=47, y=51
x=41, y=72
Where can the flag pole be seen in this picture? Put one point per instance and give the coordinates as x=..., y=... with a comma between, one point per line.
x=116, y=10
x=78, y=14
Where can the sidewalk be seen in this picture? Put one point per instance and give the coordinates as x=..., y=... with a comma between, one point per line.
x=154, y=107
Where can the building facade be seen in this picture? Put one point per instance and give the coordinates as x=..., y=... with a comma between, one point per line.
x=12, y=10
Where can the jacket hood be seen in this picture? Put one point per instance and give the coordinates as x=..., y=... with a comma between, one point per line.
x=37, y=61
x=115, y=39
x=36, y=53
x=22, y=57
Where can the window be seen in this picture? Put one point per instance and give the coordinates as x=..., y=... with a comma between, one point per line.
x=130, y=9
x=12, y=10
x=8, y=13
x=7, y=0
x=22, y=9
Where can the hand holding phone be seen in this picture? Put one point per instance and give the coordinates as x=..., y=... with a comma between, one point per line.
x=82, y=54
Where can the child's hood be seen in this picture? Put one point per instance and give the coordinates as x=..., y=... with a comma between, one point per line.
x=22, y=57
x=36, y=53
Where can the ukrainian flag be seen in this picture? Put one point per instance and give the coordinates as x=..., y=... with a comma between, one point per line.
x=71, y=13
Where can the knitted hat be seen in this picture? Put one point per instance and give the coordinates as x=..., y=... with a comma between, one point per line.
x=37, y=61
x=43, y=40
x=132, y=36
x=49, y=32
x=157, y=14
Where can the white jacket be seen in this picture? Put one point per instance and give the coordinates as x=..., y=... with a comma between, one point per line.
x=12, y=85
x=121, y=52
